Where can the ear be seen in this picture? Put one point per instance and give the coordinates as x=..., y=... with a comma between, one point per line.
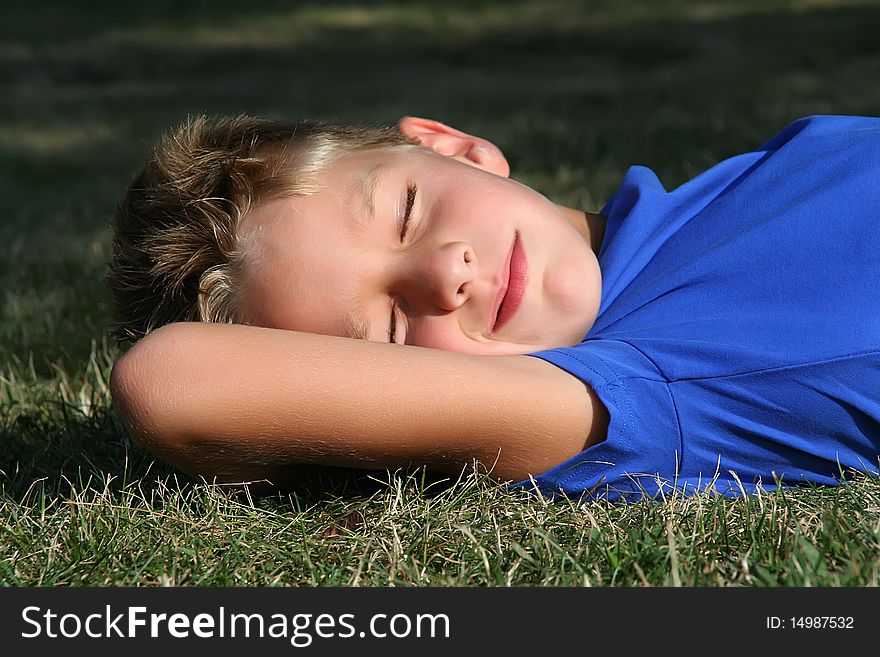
x=456, y=144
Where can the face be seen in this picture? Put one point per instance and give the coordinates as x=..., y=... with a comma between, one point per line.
x=409, y=246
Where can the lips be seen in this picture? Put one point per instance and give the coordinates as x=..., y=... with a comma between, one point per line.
x=512, y=289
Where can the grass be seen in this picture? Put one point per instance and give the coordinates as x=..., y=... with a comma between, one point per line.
x=86, y=507
x=573, y=92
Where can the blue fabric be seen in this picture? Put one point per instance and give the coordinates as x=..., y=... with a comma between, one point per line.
x=737, y=344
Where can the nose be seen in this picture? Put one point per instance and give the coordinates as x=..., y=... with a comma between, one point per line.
x=439, y=278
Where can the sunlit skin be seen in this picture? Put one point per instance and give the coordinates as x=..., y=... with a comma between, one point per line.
x=300, y=393
x=322, y=259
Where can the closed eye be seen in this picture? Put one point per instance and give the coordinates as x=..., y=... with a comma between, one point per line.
x=411, y=191
x=410, y=201
x=392, y=328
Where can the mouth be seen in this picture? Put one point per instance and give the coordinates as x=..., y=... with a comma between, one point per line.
x=512, y=289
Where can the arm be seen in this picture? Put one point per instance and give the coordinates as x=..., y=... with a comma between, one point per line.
x=241, y=402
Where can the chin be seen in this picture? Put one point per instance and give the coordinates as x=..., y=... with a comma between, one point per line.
x=574, y=340
x=579, y=332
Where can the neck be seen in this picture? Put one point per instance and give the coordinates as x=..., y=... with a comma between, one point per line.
x=591, y=226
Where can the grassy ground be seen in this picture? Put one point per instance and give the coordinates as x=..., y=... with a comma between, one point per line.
x=573, y=92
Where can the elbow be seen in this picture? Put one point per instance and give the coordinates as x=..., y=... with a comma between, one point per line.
x=142, y=387
x=171, y=393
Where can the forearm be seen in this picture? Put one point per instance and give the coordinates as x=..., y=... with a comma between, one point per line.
x=227, y=399
x=224, y=399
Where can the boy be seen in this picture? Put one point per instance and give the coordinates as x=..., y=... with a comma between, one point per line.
x=732, y=331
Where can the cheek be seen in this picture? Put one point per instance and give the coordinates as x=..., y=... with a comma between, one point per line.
x=455, y=341
x=567, y=283
x=573, y=293
x=433, y=335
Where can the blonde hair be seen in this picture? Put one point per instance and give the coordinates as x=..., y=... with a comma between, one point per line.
x=177, y=255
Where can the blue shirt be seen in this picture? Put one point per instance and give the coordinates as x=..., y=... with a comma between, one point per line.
x=737, y=344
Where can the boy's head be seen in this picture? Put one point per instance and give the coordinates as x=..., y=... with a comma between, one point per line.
x=177, y=254
x=413, y=235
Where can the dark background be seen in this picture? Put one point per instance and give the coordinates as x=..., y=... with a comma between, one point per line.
x=572, y=91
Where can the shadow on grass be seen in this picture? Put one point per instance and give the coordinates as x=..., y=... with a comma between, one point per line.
x=58, y=451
